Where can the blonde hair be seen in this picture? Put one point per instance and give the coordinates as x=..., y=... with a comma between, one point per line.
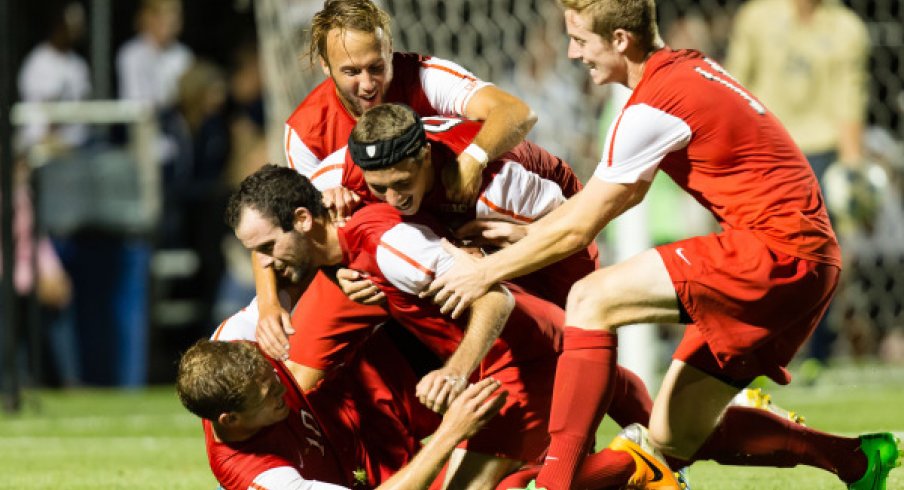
x=216, y=377
x=635, y=16
x=359, y=15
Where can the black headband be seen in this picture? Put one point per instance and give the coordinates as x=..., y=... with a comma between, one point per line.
x=386, y=153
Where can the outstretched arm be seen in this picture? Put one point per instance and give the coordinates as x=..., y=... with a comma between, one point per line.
x=467, y=414
x=557, y=235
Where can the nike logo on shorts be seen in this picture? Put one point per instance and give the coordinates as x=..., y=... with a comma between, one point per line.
x=680, y=253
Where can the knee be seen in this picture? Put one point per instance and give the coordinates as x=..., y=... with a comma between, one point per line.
x=587, y=302
x=678, y=442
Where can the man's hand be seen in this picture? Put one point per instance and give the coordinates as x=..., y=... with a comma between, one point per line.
x=274, y=324
x=462, y=181
x=458, y=287
x=359, y=288
x=439, y=388
x=472, y=409
x=493, y=233
x=340, y=202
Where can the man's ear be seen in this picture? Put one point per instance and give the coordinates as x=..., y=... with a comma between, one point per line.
x=621, y=40
x=227, y=419
x=324, y=66
x=303, y=220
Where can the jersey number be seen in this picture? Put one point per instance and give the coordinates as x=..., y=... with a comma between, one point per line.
x=436, y=124
x=727, y=80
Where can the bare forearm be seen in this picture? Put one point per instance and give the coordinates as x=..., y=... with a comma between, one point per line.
x=506, y=120
x=486, y=320
x=264, y=283
x=426, y=464
x=548, y=240
x=850, y=142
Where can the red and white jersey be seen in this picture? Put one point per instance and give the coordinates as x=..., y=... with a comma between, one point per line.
x=321, y=125
x=403, y=254
x=521, y=186
x=356, y=428
x=690, y=118
x=278, y=455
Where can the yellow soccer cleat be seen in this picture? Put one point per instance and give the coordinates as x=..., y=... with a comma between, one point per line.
x=756, y=398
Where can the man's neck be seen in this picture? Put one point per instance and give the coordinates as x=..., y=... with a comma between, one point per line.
x=221, y=433
x=637, y=64
x=330, y=247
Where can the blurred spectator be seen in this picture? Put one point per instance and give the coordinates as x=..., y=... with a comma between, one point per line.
x=807, y=61
x=248, y=152
x=37, y=270
x=149, y=67
x=53, y=71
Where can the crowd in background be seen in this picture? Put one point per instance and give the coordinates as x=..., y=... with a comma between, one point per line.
x=116, y=307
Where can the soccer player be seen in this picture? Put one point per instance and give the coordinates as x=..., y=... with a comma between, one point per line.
x=749, y=295
x=517, y=188
x=352, y=42
x=277, y=213
x=264, y=433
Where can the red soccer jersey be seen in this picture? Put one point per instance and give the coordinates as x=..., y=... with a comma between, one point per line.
x=520, y=186
x=320, y=125
x=356, y=429
x=402, y=255
x=690, y=118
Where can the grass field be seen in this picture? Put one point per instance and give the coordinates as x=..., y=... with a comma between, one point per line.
x=104, y=439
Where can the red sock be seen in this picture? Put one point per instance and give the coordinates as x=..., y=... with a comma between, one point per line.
x=754, y=437
x=582, y=392
x=631, y=402
x=605, y=469
x=602, y=470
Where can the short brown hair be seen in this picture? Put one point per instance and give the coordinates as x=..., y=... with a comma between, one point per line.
x=635, y=16
x=359, y=15
x=383, y=122
x=275, y=192
x=216, y=377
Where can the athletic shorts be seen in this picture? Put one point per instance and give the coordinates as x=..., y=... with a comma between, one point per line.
x=521, y=429
x=751, y=307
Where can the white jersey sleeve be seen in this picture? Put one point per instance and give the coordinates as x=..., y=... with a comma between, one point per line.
x=240, y=326
x=448, y=86
x=410, y=256
x=298, y=155
x=330, y=171
x=518, y=195
x=288, y=478
x=638, y=141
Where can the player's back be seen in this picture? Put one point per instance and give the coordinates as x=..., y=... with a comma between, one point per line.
x=740, y=162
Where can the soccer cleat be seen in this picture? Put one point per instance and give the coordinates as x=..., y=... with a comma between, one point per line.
x=883, y=452
x=684, y=482
x=530, y=486
x=652, y=472
x=755, y=398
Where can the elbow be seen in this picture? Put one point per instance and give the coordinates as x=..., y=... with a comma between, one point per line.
x=530, y=119
x=577, y=239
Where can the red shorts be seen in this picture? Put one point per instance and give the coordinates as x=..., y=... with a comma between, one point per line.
x=521, y=429
x=329, y=326
x=752, y=307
